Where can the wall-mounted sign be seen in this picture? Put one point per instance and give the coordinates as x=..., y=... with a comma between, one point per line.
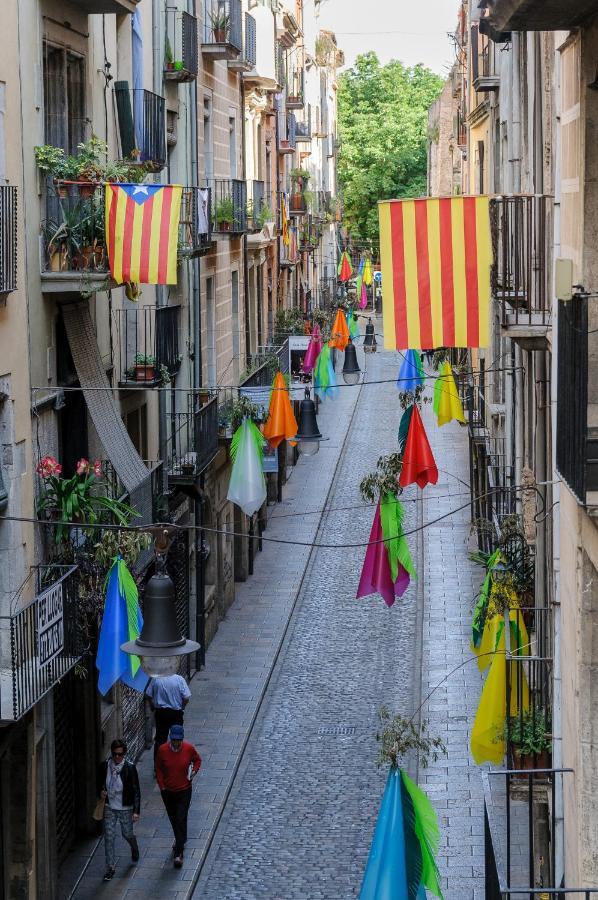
x=50, y=624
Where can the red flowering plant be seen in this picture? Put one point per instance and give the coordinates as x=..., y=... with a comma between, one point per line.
x=80, y=499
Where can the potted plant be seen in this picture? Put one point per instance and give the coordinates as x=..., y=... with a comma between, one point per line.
x=220, y=22
x=168, y=56
x=225, y=214
x=265, y=215
x=145, y=367
x=301, y=176
x=529, y=739
x=90, y=167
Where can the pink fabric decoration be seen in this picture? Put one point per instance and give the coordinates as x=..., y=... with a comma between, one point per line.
x=376, y=577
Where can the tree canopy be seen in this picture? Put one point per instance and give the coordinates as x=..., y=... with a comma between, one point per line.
x=383, y=118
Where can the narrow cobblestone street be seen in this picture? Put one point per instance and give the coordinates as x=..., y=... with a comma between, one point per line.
x=285, y=712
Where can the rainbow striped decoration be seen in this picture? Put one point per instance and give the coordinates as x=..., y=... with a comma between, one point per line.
x=435, y=258
x=142, y=229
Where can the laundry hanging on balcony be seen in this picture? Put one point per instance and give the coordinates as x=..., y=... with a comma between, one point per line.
x=142, y=229
x=436, y=256
x=203, y=208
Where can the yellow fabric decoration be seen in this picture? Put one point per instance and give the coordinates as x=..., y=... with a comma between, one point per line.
x=448, y=406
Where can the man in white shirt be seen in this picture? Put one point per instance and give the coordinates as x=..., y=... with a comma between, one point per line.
x=168, y=695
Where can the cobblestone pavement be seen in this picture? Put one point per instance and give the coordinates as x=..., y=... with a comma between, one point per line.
x=310, y=665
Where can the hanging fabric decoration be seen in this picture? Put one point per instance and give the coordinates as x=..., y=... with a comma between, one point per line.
x=447, y=403
x=488, y=733
x=411, y=373
x=353, y=326
x=121, y=622
x=325, y=384
x=339, y=333
x=281, y=423
x=480, y=613
x=247, y=486
x=367, y=272
x=345, y=269
x=313, y=351
x=402, y=859
x=419, y=465
x=404, y=428
x=387, y=567
x=284, y=220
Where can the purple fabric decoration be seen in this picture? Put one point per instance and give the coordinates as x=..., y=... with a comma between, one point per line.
x=376, y=577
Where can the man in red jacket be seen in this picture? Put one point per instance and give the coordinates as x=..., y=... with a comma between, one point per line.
x=177, y=764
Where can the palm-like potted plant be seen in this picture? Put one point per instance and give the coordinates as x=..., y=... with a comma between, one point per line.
x=529, y=739
x=224, y=214
x=145, y=367
x=220, y=22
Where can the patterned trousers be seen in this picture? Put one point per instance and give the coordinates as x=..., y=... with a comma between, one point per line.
x=111, y=819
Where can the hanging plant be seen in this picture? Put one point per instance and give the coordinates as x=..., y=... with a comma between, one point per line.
x=399, y=736
x=385, y=480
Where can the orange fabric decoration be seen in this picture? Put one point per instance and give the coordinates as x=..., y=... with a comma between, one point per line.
x=281, y=422
x=339, y=332
x=418, y=460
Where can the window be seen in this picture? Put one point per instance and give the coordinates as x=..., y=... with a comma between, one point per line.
x=260, y=301
x=211, y=331
x=232, y=146
x=64, y=98
x=208, y=138
x=136, y=424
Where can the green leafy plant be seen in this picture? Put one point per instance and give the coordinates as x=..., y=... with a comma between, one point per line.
x=143, y=359
x=220, y=21
x=50, y=160
x=385, y=480
x=243, y=407
x=399, y=736
x=288, y=321
x=529, y=732
x=91, y=158
x=224, y=211
x=265, y=215
x=168, y=54
x=78, y=498
x=300, y=175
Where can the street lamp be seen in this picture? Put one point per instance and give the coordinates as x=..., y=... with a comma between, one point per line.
x=351, y=370
x=369, y=342
x=308, y=435
x=160, y=644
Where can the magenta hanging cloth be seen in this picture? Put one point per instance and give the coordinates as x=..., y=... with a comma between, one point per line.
x=363, y=300
x=376, y=576
x=313, y=351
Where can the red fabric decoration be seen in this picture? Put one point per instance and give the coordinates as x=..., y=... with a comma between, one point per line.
x=419, y=465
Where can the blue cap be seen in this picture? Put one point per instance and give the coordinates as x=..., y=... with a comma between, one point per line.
x=177, y=733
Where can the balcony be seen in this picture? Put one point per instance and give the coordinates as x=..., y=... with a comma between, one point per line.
x=229, y=206
x=576, y=443
x=540, y=15
x=195, y=224
x=40, y=642
x=192, y=442
x=182, y=46
x=522, y=238
x=483, y=62
x=264, y=72
x=73, y=252
x=309, y=237
x=303, y=127
x=287, y=135
x=114, y=7
x=295, y=89
x=147, y=345
x=8, y=239
x=222, y=29
x=258, y=209
x=141, y=118
x=246, y=62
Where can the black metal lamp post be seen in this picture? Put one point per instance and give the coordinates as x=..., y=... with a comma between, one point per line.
x=369, y=342
x=351, y=370
x=308, y=436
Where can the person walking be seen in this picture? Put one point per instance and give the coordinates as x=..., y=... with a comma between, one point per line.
x=118, y=786
x=168, y=696
x=177, y=764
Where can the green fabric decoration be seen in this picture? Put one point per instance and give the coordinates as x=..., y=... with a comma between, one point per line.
x=480, y=612
x=404, y=428
x=128, y=588
x=426, y=828
x=391, y=520
x=253, y=432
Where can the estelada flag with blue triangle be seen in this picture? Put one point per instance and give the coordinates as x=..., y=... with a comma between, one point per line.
x=121, y=622
x=142, y=230
x=402, y=863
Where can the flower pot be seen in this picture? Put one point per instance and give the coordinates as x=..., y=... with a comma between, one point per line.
x=87, y=189
x=98, y=256
x=61, y=189
x=297, y=202
x=225, y=226
x=170, y=67
x=220, y=35
x=524, y=761
x=57, y=260
x=87, y=257
x=145, y=373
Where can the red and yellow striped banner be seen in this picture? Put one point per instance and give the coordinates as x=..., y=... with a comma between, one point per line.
x=142, y=227
x=435, y=259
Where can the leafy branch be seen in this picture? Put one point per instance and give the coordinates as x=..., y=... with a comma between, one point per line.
x=385, y=480
x=399, y=736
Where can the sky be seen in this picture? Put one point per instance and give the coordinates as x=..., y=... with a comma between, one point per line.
x=412, y=31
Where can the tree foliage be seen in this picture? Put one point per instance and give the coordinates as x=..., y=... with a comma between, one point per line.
x=383, y=119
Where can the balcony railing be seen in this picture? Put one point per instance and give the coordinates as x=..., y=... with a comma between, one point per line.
x=141, y=117
x=266, y=364
x=195, y=224
x=118, y=7
x=247, y=60
x=182, y=47
x=229, y=206
x=192, y=441
x=73, y=235
x=258, y=209
x=287, y=137
x=483, y=62
x=295, y=88
x=116, y=490
x=303, y=126
x=222, y=29
x=8, y=238
x=576, y=445
x=40, y=643
x=147, y=341
x=521, y=240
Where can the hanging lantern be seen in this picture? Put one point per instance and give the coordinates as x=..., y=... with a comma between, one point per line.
x=308, y=436
x=351, y=370
x=369, y=343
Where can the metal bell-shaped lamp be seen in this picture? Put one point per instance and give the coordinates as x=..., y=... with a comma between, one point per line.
x=369, y=343
x=308, y=435
x=351, y=370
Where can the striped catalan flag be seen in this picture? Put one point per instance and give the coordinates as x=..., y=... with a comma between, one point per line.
x=142, y=228
x=435, y=258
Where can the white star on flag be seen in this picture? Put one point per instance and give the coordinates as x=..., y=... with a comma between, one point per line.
x=140, y=189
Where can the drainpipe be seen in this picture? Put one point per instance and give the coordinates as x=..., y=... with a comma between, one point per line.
x=244, y=239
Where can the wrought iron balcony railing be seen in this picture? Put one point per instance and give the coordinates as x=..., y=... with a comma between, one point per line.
x=521, y=240
x=258, y=209
x=73, y=235
x=192, y=441
x=195, y=225
x=266, y=364
x=483, y=62
x=303, y=126
x=8, y=238
x=222, y=29
x=247, y=60
x=182, y=45
x=295, y=88
x=229, y=205
x=40, y=642
x=287, y=137
x=141, y=117
x=576, y=444
x=147, y=344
